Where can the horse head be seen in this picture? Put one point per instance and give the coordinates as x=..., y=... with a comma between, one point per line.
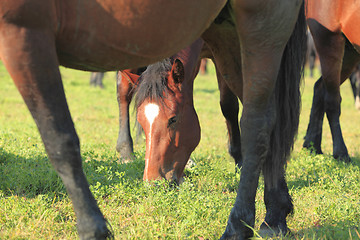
x=166, y=113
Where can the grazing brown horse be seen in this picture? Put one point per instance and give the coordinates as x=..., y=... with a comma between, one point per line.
x=36, y=36
x=176, y=118
x=334, y=27
x=165, y=110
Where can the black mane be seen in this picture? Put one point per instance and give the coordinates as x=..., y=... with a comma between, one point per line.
x=153, y=82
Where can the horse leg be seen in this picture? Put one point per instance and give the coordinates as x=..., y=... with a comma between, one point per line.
x=124, y=95
x=313, y=135
x=30, y=57
x=230, y=109
x=99, y=79
x=278, y=204
x=312, y=139
x=262, y=52
x=336, y=65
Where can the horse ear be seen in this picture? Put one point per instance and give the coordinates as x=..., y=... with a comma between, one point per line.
x=178, y=71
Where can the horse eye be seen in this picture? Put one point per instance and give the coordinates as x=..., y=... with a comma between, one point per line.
x=171, y=121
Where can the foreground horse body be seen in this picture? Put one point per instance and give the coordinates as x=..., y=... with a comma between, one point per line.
x=38, y=35
x=334, y=26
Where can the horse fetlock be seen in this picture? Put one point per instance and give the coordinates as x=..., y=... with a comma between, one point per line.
x=342, y=156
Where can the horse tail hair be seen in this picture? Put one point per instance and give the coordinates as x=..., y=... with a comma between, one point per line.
x=287, y=102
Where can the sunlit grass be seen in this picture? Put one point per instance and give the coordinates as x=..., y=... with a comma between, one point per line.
x=34, y=204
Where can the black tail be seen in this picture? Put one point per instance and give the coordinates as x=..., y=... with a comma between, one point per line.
x=288, y=102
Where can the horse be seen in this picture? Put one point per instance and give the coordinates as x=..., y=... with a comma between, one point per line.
x=172, y=128
x=162, y=85
x=338, y=44
x=37, y=36
x=187, y=60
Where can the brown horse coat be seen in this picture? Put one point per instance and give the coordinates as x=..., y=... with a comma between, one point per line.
x=120, y=29
x=337, y=16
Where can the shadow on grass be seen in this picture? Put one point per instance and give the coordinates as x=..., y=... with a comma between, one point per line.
x=317, y=167
x=338, y=230
x=32, y=176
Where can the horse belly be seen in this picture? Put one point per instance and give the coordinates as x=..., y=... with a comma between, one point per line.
x=326, y=12
x=113, y=34
x=350, y=24
x=337, y=16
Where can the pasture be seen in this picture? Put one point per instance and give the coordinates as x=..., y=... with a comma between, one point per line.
x=34, y=204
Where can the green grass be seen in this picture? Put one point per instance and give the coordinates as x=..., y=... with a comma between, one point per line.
x=34, y=204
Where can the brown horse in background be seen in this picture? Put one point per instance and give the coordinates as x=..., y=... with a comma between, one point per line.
x=36, y=36
x=334, y=27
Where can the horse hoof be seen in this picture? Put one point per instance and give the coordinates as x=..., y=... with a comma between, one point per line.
x=343, y=158
x=126, y=159
x=232, y=237
x=268, y=232
x=310, y=146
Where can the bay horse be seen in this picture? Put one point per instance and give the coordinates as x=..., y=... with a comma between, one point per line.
x=175, y=132
x=165, y=110
x=36, y=36
x=334, y=28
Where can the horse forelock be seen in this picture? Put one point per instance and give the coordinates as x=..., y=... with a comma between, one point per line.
x=153, y=83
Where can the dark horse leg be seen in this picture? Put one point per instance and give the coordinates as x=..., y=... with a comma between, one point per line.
x=230, y=109
x=337, y=65
x=268, y=126
x=43, y=93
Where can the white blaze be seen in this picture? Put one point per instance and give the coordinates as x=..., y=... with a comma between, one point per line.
x=151, y=112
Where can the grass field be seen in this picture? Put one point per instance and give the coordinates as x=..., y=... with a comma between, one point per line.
x=34, y=204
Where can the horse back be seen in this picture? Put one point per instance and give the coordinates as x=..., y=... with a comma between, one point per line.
x=113, y=34
x=337, y=16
